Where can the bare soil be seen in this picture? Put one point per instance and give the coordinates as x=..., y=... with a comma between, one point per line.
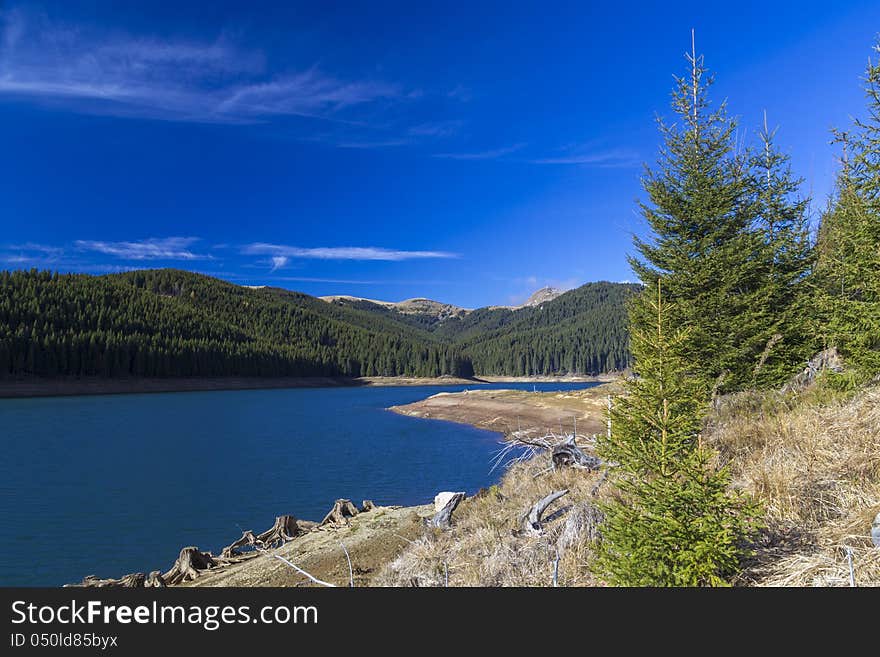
x=506, y=411
x=373, y=539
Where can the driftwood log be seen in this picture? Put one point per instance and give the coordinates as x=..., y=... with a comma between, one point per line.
x=285, y=529
x=340, y=513
x=531, y=524
x=443, y=517
x=188, y=566
x=567, y=453
x=367, y=505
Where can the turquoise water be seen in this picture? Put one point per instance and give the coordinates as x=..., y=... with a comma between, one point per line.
x=108, y=485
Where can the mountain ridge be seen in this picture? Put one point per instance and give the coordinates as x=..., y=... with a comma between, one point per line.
x=175, y=323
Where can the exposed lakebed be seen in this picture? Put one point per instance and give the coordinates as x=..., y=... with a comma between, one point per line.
x=108, y=485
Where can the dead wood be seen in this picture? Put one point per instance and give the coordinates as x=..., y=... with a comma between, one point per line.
x=340, y=513
x=247, y=539
x=155, y=580
x=367, y=505
x=532, y=522
x=130, y=581
x=567, y=453
x=285, y=529
x=189, y=564
x=828, y=359
x=443, y=518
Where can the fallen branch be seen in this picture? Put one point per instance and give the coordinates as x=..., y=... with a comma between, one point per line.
x=350, y=570
x=532, y=522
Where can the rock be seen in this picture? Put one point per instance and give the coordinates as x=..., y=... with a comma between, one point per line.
x=443, y=518
x=442, y=499
x=367, y=505
x=875, y=531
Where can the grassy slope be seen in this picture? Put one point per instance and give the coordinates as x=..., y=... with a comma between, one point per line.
x=812, y=458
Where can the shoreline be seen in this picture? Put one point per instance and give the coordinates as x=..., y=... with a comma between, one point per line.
x=375, y=538
x=73, y=387
x=506, y=411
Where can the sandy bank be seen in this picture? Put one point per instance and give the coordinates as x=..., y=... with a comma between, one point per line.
x=511, y=410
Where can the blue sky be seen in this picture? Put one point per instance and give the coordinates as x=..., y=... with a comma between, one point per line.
x=469, y=153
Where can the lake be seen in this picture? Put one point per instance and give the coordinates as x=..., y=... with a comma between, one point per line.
x=109, y=485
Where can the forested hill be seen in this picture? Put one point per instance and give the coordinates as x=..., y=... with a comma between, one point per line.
x=171, y=323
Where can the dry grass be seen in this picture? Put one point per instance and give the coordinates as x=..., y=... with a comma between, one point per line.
x=813, y=459
x=485, y=546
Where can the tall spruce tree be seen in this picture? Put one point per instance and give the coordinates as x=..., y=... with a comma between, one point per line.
x=674, y=520
x=703, y=246
x=848, y=267
x=782, y=333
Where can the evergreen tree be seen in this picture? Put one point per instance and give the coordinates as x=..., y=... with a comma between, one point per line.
x=848, y=268
x=703, y=247
x=673, y=520
x=787, y=258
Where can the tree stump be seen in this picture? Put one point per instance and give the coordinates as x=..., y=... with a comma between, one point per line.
x=130, y=581
x=567, y=453
x=154, y=580
x=189, y=564
x=443, y=518
x=284, y=529
x=532, y=522
x=340, y=513
x=247, y=538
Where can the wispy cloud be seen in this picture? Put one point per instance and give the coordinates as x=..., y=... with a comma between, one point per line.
x=435, y=129
x=307, y=279
x=310, y=93
x=608, y=158
x=278, y=251
x=125, y=75
x=279, y=261
x=165, y=248
x=491, y=154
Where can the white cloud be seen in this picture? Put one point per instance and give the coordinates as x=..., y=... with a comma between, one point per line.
x=130, y=76
x=607, y=159
x=340, y=252
x=481, y=155
x=166, y=248
x=279, y=261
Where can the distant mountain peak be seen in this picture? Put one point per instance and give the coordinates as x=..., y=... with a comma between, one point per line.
x=542, y=296
x=417, y=306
